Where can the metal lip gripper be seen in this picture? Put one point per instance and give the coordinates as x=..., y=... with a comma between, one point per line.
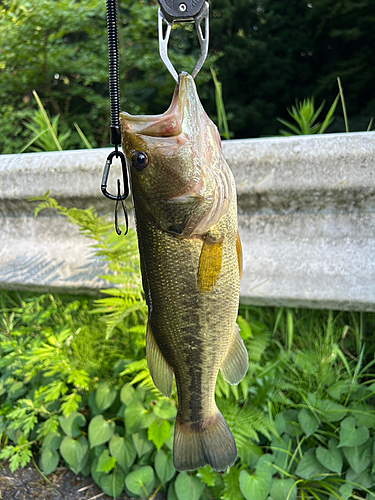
x=180, y=11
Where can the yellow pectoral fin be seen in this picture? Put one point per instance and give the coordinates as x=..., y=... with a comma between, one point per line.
x=239, y=254
x=160, y=370
x=209, y=264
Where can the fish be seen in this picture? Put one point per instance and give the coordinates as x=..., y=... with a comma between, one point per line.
x=184, y=198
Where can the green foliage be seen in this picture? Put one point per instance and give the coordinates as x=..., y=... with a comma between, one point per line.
x=265, y=56
x=305, y=116
x=274, y=52
x=44, y=132
x=64, y=57
x=222, y=123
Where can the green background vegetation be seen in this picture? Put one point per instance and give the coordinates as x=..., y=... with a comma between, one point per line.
x=266, y=54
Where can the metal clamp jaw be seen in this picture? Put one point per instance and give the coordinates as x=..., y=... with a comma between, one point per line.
x=178, y=11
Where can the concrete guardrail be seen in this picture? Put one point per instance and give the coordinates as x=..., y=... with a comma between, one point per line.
x=306, y=217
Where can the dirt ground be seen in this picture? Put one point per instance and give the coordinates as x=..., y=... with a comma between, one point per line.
x=28, y=484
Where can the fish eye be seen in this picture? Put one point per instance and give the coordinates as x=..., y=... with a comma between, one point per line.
x=139, y=160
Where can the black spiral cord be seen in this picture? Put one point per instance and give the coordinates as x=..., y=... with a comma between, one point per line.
x=114, y=91
x=115, y=129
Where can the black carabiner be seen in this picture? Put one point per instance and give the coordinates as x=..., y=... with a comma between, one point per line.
x=108, y=164
x=119, y=196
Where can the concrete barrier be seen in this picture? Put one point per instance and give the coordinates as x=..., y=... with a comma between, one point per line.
x=306, y=219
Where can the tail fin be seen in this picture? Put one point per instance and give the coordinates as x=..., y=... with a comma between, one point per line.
x=208, y=442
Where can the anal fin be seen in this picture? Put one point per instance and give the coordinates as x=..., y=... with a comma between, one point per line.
x=236, y=362
x=160, y=370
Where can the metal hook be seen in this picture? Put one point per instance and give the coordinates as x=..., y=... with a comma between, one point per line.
x=168, y=18
x=119, y=198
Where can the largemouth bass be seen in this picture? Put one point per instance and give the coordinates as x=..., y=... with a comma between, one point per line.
x=186, y=215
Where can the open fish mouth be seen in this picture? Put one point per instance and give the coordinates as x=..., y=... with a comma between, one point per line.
x=170, y=123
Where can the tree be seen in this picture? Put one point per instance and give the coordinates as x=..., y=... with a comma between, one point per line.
x=275, y=51
x=59, y=48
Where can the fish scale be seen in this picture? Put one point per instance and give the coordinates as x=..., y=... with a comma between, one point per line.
x=186, y=218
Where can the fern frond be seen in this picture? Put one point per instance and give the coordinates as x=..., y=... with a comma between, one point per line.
x=134, y=367
x=245, y=422
x=257, y=344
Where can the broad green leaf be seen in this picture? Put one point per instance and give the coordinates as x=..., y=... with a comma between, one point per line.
x=365, y=415
x=105, y=463
x=310, y=468
x=208, y=475
x=113, y=484
x=280, y=423
x=97, y=450
x=123, y=451
x=86, y=471
x=94, y=473
x=141, y=481
x=255, y=486
x=104, y=396
x=171, y=492
x=332, y=458
x=188, y=487
x=100, y=430
x=345, y=491
x=292, y=426
x=164, y=467
x=264, y=464
x=281, y=450
x=75, y=452
x=133, y=416
x=359, y=457
x=52, y=440
x=92, y=404
x=337, y=390
x=332, y=411
x=71, y=424
x=49, y=460
x=308, y=422
x=165, y=409
x=121, y=411
x=283, y=489
x=231, y=489
x=249, y=453
x=364, y=479
x=148, y=416
x=158, y=432
x=141, y=444
x=351, y=435
x=127, y=394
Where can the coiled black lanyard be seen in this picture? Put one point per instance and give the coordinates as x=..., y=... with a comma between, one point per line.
x=115, y=129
